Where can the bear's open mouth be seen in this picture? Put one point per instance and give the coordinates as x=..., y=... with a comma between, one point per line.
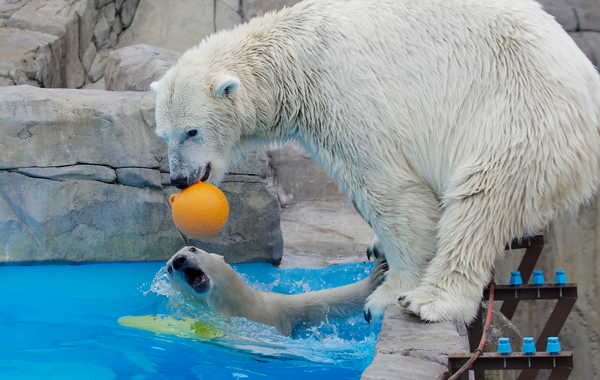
x=197, y=279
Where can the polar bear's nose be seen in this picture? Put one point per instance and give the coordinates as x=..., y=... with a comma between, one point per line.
x=178, y=261
x=180, y=182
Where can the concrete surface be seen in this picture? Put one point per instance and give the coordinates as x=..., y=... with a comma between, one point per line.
x=410, y=349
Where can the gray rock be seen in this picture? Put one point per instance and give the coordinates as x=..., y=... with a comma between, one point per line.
x=228, y=14
x=8, y=7
x=127, y=11
x=59, y=18
x=102, y=3
x=98, y=67
x=185, y=25
x=592, y=40
x=298, y=178
x=117, y=27
x=113, y=40
x=87, y=19
x=115, y=207
x=88, y=57
x=253, y=8
x=175, y=27
x=29, y=58
x=583, y=44
x=82, y=221
x=589, y=17
x=564, y=15
x=140, y=177
x=165, y=179
x=134, y=68
x=328, y=227
x=66, y=127
x=409, y=348
x=110, y=13
x=101, y=31
x=4, y=81
x=89, y=172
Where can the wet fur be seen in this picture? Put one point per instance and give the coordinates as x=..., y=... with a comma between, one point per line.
x=453, y=125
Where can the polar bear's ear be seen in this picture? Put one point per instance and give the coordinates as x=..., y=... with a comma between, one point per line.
x=226, y=87
x=154, y=87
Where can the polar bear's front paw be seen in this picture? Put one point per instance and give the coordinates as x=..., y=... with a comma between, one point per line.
x=385, y=294
x=435, y=305
x=375, y=306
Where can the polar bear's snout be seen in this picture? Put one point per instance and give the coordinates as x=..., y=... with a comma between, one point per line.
x=183, y=181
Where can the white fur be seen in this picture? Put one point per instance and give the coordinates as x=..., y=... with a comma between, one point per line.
x=228, y=294
x=452, y=124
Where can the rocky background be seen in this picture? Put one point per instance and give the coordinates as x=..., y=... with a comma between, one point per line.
x=83, y=177
x=95, y=184
x=59, y=43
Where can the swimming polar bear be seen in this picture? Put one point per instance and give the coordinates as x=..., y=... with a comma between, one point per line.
x=206, y=279
x=453, y=125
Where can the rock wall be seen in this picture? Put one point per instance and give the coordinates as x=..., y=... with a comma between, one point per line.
x=134, y=68
x=83, y=177
x=171, y=28
x=59, y=43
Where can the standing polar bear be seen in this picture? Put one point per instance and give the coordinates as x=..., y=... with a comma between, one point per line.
x=453, y=125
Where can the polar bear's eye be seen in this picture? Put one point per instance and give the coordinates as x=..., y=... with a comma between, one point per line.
x=192, y=132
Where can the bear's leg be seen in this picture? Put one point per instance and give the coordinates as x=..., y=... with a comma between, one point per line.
x=407, y=235
x=471, y=232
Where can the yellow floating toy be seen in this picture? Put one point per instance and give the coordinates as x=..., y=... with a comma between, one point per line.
x=163, y=324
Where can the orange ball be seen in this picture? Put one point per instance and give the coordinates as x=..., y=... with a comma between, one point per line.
x=200, y=211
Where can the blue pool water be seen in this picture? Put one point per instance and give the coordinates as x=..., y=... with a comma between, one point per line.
x=60, y=322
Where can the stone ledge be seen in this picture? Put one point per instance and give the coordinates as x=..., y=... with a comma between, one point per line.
x=91, y=172
x=409, y=349
x=81, y=181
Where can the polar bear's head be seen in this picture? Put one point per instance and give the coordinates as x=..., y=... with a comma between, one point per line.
x=198, y=117
x=194, y=272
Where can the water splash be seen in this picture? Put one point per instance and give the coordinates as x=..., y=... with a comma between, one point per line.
x=348, y=343
x=160, y=284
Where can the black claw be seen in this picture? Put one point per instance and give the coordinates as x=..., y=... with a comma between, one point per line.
x=401, y=298
x=367, y=315
x=372, y=252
